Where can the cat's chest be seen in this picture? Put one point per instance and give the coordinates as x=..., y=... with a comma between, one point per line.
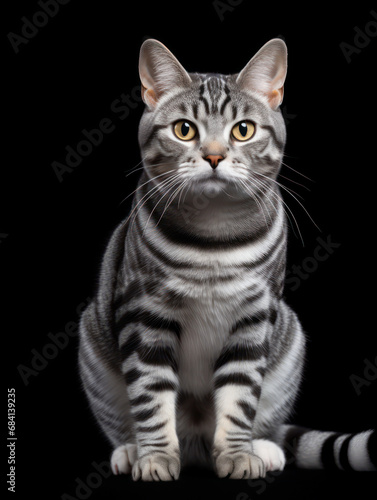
x=205, y=328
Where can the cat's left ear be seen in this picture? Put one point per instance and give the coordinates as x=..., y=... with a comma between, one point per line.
x=159, y=72
x=266, y=72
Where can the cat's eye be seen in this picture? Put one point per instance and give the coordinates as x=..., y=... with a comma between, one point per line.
x=243, y=131
x=185, y=130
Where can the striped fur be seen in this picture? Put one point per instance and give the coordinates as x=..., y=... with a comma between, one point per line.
x=188, y=352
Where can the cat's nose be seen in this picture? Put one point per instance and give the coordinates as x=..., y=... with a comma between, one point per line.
x=214, y=160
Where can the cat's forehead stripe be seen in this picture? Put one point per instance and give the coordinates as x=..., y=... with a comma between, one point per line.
x=214, y=93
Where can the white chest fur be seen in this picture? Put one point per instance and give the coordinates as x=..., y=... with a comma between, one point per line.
x=205, y=328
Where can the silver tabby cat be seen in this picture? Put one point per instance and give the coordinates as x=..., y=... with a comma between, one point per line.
x=188, y=352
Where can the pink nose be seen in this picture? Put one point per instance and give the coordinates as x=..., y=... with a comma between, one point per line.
x=214, y=160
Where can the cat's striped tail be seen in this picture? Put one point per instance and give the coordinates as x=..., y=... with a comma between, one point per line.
x=310, y=449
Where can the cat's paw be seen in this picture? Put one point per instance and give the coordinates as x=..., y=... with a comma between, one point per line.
x=123, y=458
x=271, y=454
x=156, y=467
x=239, y=465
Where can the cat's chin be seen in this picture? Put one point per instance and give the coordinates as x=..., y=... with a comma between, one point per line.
x=212, y=189
x=218, y=188
x=210, y=186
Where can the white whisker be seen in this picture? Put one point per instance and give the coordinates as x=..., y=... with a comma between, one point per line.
x=149, y=180
x=295, y=182
x=257, y=200
x=148, y=195
x=173, y=182
x=171, y=197
x=296, y=171
x=285, y=206
x=289, y=191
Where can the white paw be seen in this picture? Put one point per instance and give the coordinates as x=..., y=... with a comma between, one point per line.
x=271, y=454
x=239, y=466
x=156, y=467
x=123, y=458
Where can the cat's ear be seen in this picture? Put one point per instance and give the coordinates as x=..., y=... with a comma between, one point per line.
x=159, y=72
x=266, y=72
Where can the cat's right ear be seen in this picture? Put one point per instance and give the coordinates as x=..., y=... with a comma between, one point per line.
x=159, y=72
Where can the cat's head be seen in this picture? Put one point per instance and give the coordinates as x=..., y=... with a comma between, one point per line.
x=210, y=131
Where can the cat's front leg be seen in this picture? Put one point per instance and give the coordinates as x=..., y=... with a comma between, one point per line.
x=238, y=378
x=150, y=371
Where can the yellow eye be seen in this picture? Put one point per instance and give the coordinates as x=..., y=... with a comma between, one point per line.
x=243, y=131
x=185, y=130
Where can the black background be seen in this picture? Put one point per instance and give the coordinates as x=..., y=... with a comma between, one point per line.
x=66, y=79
